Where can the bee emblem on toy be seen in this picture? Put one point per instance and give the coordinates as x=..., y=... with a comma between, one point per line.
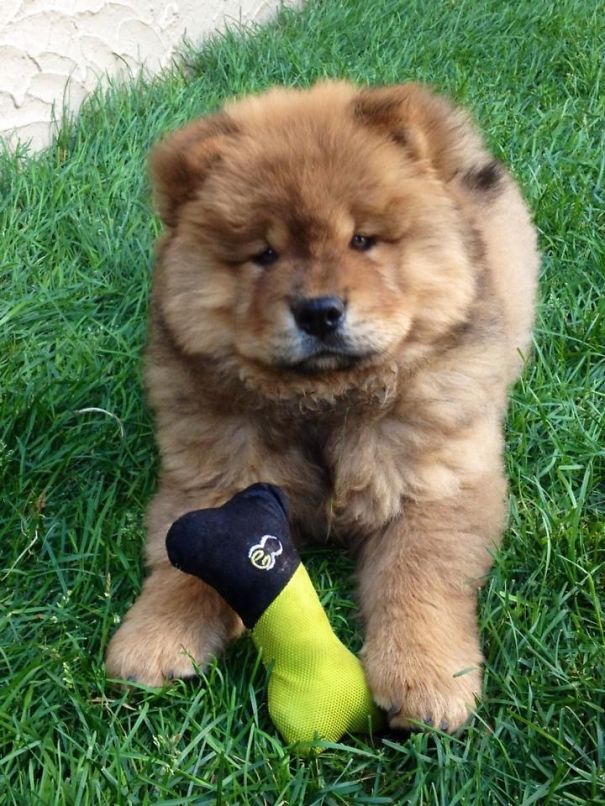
x=263, y=557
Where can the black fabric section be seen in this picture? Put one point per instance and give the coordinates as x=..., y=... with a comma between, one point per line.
x=222, y=546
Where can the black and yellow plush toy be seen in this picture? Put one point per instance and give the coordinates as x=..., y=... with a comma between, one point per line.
x=317, y=687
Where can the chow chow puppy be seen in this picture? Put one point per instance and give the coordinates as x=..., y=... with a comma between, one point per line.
x=343, y=294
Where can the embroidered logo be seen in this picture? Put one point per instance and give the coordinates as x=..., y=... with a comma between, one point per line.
x=262, y=556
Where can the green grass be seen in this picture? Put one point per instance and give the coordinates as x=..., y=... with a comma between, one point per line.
x=77, y=462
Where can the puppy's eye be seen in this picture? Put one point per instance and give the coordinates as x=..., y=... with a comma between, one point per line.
x=362, y=242
x=265, y=258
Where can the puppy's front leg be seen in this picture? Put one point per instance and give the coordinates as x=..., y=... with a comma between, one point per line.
x=418, y=587
x=177, y=620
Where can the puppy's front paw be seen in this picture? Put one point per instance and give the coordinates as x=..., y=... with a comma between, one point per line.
x=177, y=624
x=416, y=688
x=151, y=654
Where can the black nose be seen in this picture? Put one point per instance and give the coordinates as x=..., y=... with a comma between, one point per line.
x=319, y=316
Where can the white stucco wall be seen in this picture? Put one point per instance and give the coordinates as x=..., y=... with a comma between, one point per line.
x=51, y=50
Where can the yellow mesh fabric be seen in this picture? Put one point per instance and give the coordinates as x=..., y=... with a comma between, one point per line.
x=317, y=687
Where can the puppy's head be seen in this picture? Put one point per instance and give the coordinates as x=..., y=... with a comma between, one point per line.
x=312, y=231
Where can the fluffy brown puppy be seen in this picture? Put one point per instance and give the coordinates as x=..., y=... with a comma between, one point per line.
x=343, y=294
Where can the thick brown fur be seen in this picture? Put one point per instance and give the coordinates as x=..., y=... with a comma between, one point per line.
x=393, y=445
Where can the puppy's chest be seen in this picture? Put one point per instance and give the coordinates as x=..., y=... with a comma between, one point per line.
x=360, y=473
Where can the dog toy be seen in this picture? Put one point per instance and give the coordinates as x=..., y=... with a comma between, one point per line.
x=317, y=687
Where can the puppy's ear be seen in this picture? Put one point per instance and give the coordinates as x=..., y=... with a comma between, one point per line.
x=390, y=109
x=426, y=125
x=180, y=162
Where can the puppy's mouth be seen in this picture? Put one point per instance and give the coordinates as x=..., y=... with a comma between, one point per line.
x=327, y=358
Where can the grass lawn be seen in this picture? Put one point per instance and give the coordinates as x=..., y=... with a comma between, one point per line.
x=77, y=461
